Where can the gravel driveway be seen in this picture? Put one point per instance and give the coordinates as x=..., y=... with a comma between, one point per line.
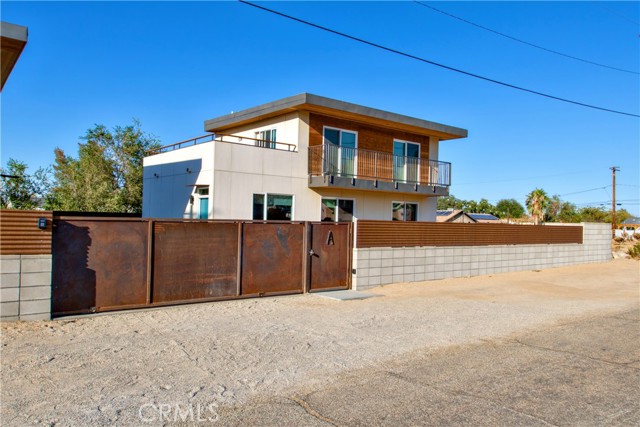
x=196, y=360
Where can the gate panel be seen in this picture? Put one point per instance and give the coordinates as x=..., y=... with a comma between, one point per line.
x=330, y=256
x=272, y=258
x=98, y=265
x=194, y=260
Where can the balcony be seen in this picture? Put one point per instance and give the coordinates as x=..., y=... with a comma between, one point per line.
x=342, y=167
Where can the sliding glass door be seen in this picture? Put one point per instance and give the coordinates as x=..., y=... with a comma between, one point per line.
x=406, y=161
x=340, y=151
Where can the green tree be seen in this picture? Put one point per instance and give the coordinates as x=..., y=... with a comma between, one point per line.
x=594, y=214
x=602, y=214
x=18, y=190
x=484, y=206
x=107, y=175
x=537, y=203
x=568, y=213
x=621, y=215
x=470, y=206
x=509, y=208
x=561, y=211
x=449, y=202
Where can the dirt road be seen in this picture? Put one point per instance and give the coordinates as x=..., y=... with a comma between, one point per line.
x=194, y=364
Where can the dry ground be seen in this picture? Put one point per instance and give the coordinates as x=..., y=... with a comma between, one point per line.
x=102, y=370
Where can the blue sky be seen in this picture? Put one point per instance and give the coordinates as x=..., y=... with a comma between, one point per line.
x=174, y=65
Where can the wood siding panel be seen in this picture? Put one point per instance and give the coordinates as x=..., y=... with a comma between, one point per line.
x=369, y=137
x=371, y=234
x=20, y=235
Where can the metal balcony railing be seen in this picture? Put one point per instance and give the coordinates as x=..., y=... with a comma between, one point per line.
x=329, y=159
x=232, y=139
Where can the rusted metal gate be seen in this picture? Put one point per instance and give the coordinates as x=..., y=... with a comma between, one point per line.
x=194, y=261
x=102, y=264
x=273, y=257
x=99, y=264
x=330, y=254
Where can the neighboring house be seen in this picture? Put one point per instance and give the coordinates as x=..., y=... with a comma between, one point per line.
x=629, y=227
x=457, y=215
x=13, y=39
x=484, y=218
x=454, y=215
x=305, y=157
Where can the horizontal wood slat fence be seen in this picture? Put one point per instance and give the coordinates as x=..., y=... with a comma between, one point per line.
x=20, y=235
x=371, y=234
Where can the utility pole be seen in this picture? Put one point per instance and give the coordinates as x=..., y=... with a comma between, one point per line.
x=613, y=199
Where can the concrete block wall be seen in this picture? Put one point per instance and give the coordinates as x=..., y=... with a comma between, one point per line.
x=25, y=287
x=382, y=266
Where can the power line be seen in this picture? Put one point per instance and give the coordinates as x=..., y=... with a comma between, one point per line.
x=523, y=41
x=417, y=58
x=613, y=12
x=607, y=202
x=520, y=179
x=584, y=191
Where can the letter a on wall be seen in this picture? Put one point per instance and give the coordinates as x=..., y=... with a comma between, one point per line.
x=330, y=239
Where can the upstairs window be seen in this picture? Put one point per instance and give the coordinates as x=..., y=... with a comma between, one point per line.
x=266, y=138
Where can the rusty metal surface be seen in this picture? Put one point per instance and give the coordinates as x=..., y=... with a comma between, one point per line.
x=331, y=257
x=20, y=235
x=194, y=260
x=272, y=258
x=98, y=265
x=104, y=264
x=398, y=234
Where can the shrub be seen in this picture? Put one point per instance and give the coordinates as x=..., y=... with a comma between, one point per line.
x=634, y=251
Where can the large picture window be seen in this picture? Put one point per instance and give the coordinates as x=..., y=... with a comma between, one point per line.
x=337, y=209
x=404, y=211
x=273, y=207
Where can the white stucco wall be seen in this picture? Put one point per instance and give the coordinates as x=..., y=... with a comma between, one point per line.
x=167, y=185
x=378, y=205
x=242, y=171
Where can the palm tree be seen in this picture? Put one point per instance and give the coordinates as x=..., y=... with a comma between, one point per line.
x=537, y=203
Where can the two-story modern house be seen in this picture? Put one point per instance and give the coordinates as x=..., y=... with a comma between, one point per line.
x=305, y=157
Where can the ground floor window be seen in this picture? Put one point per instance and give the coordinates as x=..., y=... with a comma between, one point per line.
x=334, y=209
x=404, y=211
x=273, y=207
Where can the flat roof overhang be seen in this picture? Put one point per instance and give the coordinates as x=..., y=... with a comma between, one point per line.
x=338, y=109
x=13, y=39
